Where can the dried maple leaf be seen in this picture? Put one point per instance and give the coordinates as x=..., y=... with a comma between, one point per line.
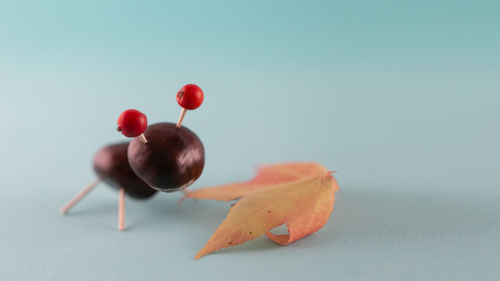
x=299, y=194
x=266, y=176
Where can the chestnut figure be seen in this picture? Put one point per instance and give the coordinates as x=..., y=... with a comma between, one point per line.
x=111, y=164
x=172, y=159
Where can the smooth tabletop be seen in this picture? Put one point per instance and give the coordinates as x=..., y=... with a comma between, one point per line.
x=401, y=98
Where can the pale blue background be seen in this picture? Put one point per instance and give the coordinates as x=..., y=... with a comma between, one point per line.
x=401, y=97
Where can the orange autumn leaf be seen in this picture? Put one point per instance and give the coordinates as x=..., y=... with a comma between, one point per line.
x=266, y=176
x=304, y=205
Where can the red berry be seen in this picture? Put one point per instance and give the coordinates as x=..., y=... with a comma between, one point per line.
x=132, y=123
x=190, y=96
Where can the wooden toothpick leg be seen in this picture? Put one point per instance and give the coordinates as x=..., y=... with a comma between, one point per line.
x=181, y=117
x=121, y=210
x=79, y=196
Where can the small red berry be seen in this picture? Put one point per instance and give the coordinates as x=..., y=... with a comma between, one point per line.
x=190, y=96
x=132, y=123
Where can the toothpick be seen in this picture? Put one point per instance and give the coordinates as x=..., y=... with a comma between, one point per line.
x=79, y=196
x=121, y=210
x=181, y=117
x=143, y=138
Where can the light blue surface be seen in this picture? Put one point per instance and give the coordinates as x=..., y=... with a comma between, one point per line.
x=402, y=98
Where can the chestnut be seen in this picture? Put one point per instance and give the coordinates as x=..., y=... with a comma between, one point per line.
x=111, y=164
x=172, y=159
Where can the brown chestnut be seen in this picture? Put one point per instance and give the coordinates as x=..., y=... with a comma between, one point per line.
x=172, y=159
x=111, y=164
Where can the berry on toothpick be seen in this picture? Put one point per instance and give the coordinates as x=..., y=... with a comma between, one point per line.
x=132, y=123
x=189, y=97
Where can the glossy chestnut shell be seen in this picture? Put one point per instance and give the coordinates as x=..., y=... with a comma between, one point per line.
x=172, y=159
x=111, y=163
